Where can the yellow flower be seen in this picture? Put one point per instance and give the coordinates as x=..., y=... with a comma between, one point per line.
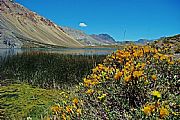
x=146, y=49
x=156, y=56
x=131, y=68
x=156, y=93
x=86, y=81
x=102, y=97
x=148, y=109
x=154, y=77
x=127, y=78
x=89, y=91
x=64, y=116
x=135, y=54
x=56, y=109
x=101, y=66
x=137, y=73
x=75, y=101
x=78, y=111
x=95, y=70
x=68, y=109
x=163, y=112
x=118, y=75
x=143, y=65
x=171, y=62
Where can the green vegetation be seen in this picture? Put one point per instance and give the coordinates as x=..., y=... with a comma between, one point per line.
x=137, y=82
x=20, y=101
x=48, y=70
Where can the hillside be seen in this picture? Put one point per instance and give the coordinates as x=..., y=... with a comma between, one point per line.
x=171, y=42
x=20, y=27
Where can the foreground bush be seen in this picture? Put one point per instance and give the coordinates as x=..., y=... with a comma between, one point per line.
x=139, y=82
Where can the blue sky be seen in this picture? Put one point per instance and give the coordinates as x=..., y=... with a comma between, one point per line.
x=139, y=18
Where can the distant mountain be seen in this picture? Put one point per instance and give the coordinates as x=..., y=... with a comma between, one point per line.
x=89, y=40
x=20, y=27
x=81, y=36
x=143, y=41
x=105, y=38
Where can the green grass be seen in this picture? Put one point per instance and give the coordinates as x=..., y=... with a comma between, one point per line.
x=20, y=100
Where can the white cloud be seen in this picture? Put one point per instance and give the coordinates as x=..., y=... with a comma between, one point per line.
x=82, y=24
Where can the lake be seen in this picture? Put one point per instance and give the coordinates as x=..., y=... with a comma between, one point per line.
x=72, y=51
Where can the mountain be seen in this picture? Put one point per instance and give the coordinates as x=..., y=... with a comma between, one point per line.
x=20, y=27
x=81, y=36
x=143, y=41
x=89, y=40
x=105, y=38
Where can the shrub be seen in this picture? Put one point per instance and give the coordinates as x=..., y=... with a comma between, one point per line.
x=139, y=82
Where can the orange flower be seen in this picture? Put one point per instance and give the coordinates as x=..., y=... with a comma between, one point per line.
x=118, y=75
x=143, y=65
x=163, y=112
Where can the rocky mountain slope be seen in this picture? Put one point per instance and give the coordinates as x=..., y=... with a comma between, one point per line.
x=89, y=40
x=20, y=27
x=105, y=38
x=81, y=36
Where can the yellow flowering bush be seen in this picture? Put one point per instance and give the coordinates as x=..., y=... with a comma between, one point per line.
x=138, y=82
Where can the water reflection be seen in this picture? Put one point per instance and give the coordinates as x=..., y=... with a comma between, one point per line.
x=74, y=51
x=4, y=53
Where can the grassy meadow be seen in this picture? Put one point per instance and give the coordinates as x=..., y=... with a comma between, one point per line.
x=137, y=82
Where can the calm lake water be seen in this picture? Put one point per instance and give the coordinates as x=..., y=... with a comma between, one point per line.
x=71, y=51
